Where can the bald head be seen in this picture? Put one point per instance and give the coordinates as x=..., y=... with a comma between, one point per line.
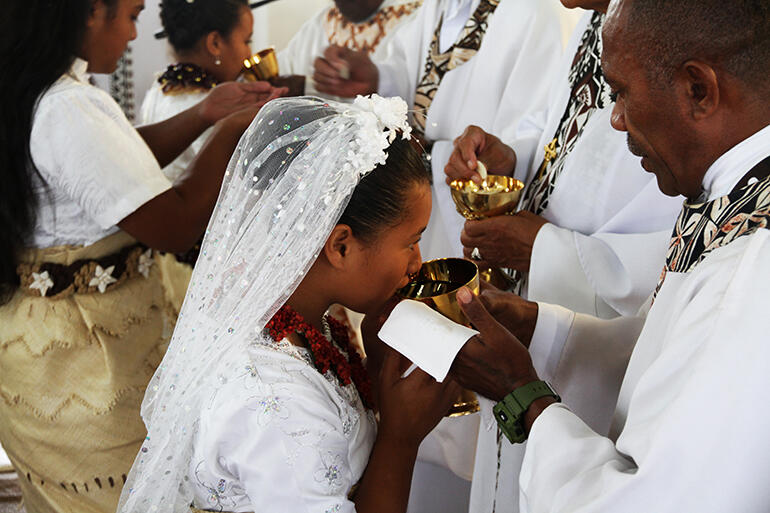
x=730, y=35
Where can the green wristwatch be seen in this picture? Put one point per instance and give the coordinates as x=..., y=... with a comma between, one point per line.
x=509, y=412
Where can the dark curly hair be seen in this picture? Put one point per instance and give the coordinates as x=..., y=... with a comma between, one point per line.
x=185, y=23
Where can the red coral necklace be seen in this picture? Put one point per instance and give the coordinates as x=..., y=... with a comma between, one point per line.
x=326, y=356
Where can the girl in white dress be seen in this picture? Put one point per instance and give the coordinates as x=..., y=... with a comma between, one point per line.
x=86, y=303
x=210, y=40
x=260, y=403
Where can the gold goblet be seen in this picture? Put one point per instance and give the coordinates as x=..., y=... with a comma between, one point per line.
x=498, y=195
x=436, y=285
x=263, y=65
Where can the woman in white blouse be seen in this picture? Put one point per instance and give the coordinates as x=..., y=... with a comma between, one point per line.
x=84, y=209
x=262, y=403
x=210, y=40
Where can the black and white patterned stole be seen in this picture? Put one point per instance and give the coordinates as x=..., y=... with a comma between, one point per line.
x=589, y=93
x=438, y=64
x=703, y=227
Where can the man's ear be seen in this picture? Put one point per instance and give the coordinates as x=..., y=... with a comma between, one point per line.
x=338, y=246
x=701, y=89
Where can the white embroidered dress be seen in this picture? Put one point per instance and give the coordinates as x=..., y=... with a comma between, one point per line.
x=159, y=106
x=98, y=170
x=282, y=437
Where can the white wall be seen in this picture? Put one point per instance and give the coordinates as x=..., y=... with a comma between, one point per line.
x=274, y=24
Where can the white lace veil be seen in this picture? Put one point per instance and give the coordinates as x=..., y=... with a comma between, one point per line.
x=285, y=188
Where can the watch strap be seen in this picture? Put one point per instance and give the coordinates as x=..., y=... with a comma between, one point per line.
x=510, y=412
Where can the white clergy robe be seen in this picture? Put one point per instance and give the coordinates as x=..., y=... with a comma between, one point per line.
x=507, y=79
x=600, y=254
x=687, y=432
x=503, y=81
x=317, y=34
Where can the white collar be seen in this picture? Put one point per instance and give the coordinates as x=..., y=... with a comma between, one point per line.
x=79, y=71
x=728, y=169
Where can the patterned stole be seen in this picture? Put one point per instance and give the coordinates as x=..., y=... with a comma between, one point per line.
x=438, y=64
x=590, y=92
x=365, y=36
x=703, y=227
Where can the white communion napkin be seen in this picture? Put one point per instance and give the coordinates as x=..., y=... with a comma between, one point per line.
x=427, y=338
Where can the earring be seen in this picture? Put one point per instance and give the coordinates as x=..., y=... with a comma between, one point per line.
x=218, y=61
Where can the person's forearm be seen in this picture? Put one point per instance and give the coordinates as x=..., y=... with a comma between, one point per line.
x=385, y=485
x=175, y=220
x=168, y=139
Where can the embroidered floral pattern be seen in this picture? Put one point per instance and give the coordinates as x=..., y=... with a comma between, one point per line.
x=438, y=64
x=703, y=227
x=331, y=473
x=590, y=93
x=366, y=36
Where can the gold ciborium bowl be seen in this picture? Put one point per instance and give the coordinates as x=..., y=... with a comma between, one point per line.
x=436, y=284
x=263, y=65
x=473, y=201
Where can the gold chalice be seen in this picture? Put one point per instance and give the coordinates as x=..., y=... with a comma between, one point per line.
x=497, y=195
x=263, y=65
x=436, y=284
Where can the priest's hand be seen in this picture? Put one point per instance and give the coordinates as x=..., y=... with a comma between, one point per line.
x=346, y=73
x=494, y=362
x=473, y=145
x=514, y=313
x=503, y=241
x=231, y=97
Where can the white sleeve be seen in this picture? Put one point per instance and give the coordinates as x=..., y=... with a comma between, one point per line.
x=584, y=358
x=307, y=44
x=695, y=435
x=616, y=266
x=287, y=450
x=398, y=61
x=82, y=144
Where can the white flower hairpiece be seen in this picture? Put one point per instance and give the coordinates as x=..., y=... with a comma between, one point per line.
x=379, y=119
x=391, y=114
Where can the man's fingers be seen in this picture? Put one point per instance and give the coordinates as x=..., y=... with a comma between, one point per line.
x=325, y=70
x=474, y=309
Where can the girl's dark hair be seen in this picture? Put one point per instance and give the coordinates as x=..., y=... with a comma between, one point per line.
x=186, y=22
x=379, y=200
x=39, y=40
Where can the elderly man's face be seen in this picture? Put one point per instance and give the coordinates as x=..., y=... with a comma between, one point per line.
x=652, y=116
x=357, y=10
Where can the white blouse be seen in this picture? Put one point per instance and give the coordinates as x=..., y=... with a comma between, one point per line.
x=158, y=106
x=281, y=437
x=95, y=167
